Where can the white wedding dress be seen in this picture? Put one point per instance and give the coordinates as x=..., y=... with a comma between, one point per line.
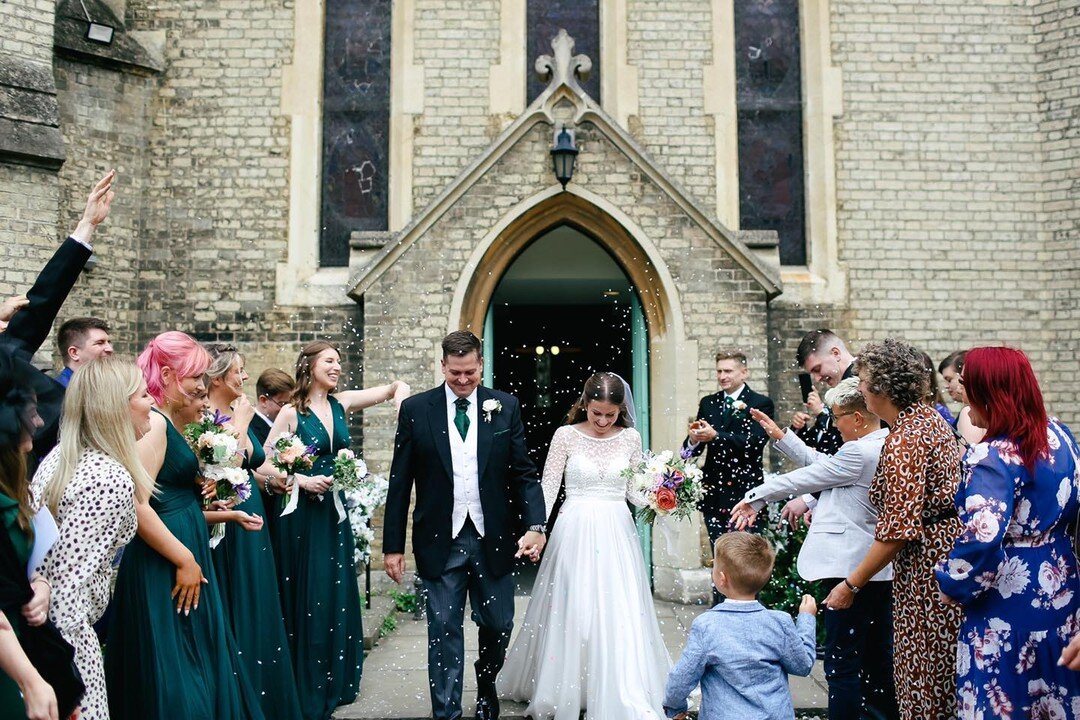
x=590, y=639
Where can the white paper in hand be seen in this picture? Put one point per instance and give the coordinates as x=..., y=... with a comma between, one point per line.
x=46, y=533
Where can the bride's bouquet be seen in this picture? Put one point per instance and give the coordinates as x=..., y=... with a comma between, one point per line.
x=666, y=484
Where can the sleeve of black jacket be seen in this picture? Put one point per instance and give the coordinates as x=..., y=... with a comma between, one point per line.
x=31, y=325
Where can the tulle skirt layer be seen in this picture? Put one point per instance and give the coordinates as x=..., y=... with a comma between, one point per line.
x=590, y=639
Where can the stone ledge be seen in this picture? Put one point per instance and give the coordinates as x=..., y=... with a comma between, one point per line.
x=23, y=143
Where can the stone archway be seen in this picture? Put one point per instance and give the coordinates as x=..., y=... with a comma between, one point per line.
x=672, y=381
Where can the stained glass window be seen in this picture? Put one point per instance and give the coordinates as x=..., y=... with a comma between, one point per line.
x=581, y=20
x=769, y=99
x=356, y=124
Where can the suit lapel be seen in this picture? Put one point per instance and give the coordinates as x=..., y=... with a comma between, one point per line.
x=485, y=431
x=440, y=427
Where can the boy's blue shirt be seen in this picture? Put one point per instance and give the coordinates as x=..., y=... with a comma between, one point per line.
x=741, y=654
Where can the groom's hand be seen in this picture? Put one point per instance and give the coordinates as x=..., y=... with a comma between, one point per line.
x=394, y=563
x=531, y=545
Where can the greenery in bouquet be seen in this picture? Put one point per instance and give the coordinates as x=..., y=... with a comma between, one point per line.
x=212, y=441
x=665, y=484
x=293, y=455
x=349, y=471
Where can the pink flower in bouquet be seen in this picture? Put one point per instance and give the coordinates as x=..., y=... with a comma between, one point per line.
x=290, y=454
x=666, y=500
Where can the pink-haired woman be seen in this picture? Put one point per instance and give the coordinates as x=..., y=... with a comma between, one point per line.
x=170, y=653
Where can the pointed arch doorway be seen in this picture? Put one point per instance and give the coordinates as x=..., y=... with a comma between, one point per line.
x=564, y=291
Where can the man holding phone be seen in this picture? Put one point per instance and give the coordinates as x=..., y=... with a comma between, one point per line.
x=734, y=441
x=825, y=359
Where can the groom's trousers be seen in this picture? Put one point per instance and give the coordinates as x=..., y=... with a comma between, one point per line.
x=492, y=601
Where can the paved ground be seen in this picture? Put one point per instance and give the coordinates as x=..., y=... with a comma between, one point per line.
x=395, y=672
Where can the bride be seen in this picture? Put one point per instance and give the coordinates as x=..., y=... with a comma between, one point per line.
x=590, y=639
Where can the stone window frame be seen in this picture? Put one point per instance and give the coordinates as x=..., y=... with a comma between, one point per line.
x=823, y=279
x=300, y=281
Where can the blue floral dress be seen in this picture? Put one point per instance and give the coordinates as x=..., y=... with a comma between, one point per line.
x=1015, y=572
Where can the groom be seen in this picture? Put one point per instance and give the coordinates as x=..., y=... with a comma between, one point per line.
x=463, y=447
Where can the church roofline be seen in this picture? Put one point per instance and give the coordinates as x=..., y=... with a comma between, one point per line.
x=563, y=86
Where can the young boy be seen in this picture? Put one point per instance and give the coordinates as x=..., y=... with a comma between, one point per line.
x=740, y=652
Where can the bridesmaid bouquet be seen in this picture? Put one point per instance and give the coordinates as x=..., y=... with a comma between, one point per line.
x=212, y=442
x=666, y=484
x=217, y=448
x=292, y=455
x=349, y=471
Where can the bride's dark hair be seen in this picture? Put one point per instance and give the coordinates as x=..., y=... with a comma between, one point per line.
x=604, y=387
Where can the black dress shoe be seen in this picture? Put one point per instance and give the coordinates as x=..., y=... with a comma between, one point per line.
x=487, y=708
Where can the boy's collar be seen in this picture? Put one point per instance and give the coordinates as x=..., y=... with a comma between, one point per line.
x=738, y=606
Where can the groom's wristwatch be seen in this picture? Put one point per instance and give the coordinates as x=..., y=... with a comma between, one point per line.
x=537, y=528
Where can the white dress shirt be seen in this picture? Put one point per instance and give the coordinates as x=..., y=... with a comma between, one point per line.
x=734, y=395
x=466, y=466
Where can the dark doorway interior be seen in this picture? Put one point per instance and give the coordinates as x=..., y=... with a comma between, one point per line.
x=546, y=352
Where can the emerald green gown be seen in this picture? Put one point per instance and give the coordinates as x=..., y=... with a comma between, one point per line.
x=317, y=576
x=247, y=579
x=160, y=663
x=12, y=706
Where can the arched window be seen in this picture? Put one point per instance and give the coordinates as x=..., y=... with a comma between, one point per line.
x=356, y=124
x=768, y=86
x=581, y=19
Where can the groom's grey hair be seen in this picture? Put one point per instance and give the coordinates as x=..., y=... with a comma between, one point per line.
x=846, y=395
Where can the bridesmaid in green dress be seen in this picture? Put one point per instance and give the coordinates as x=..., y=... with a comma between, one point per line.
x=170, y=653
x=243, y=560
x=314, y=551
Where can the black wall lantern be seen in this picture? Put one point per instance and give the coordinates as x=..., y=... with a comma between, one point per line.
x=563, y=156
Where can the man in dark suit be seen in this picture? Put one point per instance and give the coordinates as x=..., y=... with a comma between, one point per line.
x=273, y=390
x=823, y=355
x=463, y=447
x=735, y=441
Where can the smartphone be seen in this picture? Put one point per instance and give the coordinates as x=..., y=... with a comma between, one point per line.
x=806, y=384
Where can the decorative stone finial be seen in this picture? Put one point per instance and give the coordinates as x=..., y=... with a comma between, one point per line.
x=563, y=68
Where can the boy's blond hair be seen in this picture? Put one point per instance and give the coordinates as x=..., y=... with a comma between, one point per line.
x=746, y=559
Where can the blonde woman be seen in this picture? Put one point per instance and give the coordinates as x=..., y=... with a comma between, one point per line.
x=90, y=482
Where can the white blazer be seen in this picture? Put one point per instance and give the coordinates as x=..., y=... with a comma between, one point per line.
x=843, y=524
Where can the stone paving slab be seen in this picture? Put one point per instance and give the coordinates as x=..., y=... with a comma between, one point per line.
x=395, y=672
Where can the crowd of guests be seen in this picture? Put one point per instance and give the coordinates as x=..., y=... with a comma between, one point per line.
x=947, y=542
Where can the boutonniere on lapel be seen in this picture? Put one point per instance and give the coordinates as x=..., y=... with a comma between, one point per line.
x=491, y=407
x=738, y=406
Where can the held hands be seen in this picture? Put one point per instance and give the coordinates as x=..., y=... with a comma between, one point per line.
x=37, y=610
x=808, y=605
x=530, y=545
x=701, y=431
x=399, y=391
x=742, y=515
x=189, y=582
x=394, y=564
x=771, y=429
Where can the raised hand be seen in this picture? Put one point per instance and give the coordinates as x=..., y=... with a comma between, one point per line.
x=701, y=431
x=771, y=428
x=799, y=420
x=97, y=208
x=12, y=305
x=242, y=413
x=814, y=403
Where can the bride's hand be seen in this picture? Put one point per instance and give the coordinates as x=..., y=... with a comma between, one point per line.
x=530, y=545
x=743, y=515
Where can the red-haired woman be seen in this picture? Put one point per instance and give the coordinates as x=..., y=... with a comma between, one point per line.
x=1014, y=570
x=170, y=654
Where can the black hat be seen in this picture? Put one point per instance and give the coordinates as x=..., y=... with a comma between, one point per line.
x=26, y=394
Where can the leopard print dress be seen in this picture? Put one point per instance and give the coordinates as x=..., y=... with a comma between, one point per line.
x=913, y=489
x=96, y=518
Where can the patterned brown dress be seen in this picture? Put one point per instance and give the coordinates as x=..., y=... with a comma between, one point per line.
x=913, y=489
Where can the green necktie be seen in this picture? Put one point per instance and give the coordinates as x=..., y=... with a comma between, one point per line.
x=461, y=419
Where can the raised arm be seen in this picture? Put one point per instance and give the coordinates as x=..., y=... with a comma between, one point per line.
x=354, y=400
x=830, y=471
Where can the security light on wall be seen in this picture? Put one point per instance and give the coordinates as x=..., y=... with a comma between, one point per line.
x=99, y=33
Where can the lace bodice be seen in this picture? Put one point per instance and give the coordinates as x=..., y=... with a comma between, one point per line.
x=591, y=466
